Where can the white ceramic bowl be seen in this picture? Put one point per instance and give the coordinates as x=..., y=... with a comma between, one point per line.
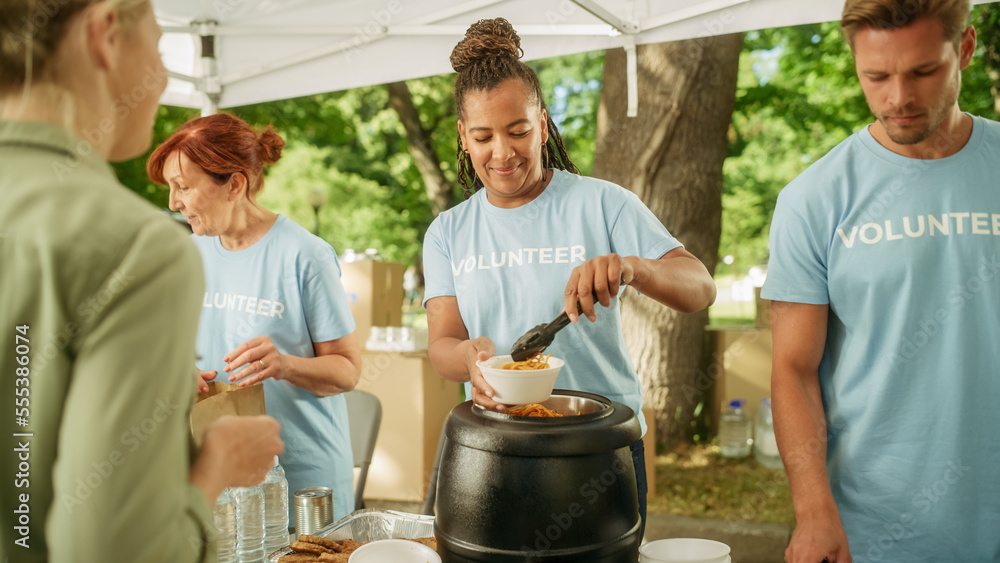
x=684, y=550
x=520, y=387
x=396, y=551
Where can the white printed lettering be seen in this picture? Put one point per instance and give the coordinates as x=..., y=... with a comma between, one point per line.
x=878, y=233
x=941, y=226
x=848, y=241
x=909, y=231
x=980, y=223
x=277, y=308
x=263, y=306
x=888, y=232
x=251, y=304
x=508, y=258
x=958, y=221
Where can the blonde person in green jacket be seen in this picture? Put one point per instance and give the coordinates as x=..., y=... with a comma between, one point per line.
x=99, y=304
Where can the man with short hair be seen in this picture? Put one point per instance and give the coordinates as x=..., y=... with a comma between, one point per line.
x=885, y=281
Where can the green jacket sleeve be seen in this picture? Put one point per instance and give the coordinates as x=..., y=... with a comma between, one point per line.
x=121, y=490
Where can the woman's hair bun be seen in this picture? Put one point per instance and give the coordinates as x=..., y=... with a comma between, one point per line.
x=486, y=39
x=271, y=144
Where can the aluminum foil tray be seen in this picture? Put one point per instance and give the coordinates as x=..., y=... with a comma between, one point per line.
x=370, y=524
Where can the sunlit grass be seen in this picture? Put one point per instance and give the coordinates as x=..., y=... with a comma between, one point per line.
x=697, y=481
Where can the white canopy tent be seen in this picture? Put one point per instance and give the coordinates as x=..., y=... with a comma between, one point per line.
x=224, y=53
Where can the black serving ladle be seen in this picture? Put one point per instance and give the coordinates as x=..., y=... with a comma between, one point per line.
x=538, y=338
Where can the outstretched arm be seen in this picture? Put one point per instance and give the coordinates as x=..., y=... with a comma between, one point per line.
x=677, y=279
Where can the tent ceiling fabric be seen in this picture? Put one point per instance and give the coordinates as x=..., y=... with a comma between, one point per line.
x=274, y=49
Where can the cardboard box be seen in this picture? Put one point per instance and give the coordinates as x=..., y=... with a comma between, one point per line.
x=415, y=402
x=740, y=368
x=375, y=292
x=222, y=399
x=649, y=445
x=763, y=318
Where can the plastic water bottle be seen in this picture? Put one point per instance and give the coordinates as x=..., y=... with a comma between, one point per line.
x=275, y=509
x=250, y=524
x=225, y=526
x=765, y=446
x=735, y=437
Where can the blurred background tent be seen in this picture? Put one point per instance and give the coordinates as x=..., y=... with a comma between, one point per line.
x=225, y=53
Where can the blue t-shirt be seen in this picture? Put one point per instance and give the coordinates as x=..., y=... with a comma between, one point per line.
x=286, y=286
x=508, y=268
x=905, y=253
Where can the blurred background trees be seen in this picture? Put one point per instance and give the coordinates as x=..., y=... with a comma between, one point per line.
x=796, y=97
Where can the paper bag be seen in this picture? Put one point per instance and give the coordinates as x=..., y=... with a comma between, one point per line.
x=222, y=399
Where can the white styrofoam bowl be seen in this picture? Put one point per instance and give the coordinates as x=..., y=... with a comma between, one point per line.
x=520, y=387
x=684, y=550
x=396, y=551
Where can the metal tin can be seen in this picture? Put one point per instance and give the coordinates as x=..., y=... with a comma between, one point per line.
x=313, y=509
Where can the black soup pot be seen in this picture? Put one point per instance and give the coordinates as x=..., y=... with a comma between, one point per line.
x=514, y=488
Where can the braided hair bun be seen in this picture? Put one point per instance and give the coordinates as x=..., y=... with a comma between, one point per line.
x=488, y=56
x=486, y=40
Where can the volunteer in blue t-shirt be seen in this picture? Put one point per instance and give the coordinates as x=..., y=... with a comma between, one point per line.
x=884, y=275
x=537, y=238
x=274, y=309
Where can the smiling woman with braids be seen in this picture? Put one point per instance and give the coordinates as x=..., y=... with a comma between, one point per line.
x=538, y=236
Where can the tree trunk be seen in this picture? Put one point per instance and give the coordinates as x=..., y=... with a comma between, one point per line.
x=439, y=190
x=671, y=156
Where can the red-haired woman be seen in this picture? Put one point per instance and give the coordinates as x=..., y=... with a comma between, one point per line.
x=274, y=309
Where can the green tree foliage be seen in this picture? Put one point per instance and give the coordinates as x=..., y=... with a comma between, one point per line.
x=132, y=173
x=351, y=145
x=572, y=89
x=798, y=96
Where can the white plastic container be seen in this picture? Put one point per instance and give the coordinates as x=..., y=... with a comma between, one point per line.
x=396, y=551
x=735, y=430
x=520, y=387
x=684, y=550
x=765, y=446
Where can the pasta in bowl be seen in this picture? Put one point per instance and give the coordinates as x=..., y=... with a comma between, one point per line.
x=529, y=382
